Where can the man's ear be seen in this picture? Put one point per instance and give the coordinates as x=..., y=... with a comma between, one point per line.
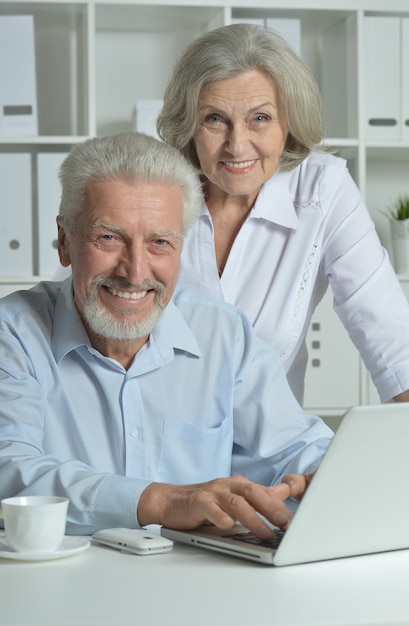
x=63, y=245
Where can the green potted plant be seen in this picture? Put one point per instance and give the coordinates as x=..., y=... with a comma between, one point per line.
x=399, y=210
x=398, y=216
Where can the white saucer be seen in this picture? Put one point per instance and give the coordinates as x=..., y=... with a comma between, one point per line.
x=69, y=547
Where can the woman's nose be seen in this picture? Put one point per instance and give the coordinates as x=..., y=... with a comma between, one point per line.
x=237, y=139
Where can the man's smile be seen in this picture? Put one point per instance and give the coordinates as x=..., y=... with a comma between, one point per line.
x=129, y=295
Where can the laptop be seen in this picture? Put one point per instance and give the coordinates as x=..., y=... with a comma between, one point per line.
x=357, y=502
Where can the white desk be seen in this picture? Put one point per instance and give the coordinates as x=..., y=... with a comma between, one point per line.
x=194, y=587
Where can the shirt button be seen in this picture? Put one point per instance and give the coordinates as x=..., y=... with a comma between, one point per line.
x=134, y=433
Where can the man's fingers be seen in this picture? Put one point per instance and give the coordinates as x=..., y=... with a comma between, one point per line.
x=282, y=490
x=297, y=484
x=254, y=500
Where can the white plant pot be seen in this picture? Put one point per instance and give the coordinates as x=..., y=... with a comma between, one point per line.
x=400, y=245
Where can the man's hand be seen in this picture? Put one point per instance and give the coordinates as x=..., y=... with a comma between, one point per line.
x=298, y=484
x=221, y=502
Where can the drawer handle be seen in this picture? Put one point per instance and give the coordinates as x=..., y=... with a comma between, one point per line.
x=382, y=121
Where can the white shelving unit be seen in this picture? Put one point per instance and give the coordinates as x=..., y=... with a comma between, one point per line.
x=95, y=59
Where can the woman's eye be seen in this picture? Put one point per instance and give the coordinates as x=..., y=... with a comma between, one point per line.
x=213, y=119
x=261, y=118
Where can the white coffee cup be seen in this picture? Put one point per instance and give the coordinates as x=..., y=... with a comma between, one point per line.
x=34, y=524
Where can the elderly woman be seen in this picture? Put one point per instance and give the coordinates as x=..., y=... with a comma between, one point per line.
x=281, y=218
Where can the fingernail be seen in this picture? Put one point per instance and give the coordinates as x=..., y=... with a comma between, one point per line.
x=281, y=520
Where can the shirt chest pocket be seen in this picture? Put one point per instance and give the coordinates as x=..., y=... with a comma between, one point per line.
x=191, y=454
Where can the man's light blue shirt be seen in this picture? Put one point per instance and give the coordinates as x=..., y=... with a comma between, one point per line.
x=204, y=398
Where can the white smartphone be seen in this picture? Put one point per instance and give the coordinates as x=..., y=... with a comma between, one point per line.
x=135, y=540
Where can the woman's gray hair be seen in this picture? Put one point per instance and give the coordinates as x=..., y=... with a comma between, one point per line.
x=129, y=156
x=227, y=52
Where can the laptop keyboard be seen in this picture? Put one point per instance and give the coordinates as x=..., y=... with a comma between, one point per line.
x=249, y=537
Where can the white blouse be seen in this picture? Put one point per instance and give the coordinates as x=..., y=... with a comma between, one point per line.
x=309, y=227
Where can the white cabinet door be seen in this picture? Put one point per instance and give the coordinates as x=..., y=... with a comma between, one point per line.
x=333, y=373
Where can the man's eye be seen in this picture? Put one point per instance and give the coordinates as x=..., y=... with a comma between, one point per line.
x=106, y=241
x=160, y=242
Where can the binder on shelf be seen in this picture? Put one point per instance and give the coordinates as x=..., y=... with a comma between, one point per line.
x=405, y=77
x=16, y=251
x=339, y=78
x=259, y=21
x=18, y=94
x=289, y=29
x=382, y=47
x=49, y=196
x=145, y=115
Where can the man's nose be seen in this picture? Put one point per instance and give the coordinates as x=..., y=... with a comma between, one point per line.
x=134, y=265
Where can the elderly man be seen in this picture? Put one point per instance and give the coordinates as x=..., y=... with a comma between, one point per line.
x=140, y=403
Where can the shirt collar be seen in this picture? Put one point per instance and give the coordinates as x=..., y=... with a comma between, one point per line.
x=68, y=330
x=274, y=203
x=170, y=333
x=173, y=332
